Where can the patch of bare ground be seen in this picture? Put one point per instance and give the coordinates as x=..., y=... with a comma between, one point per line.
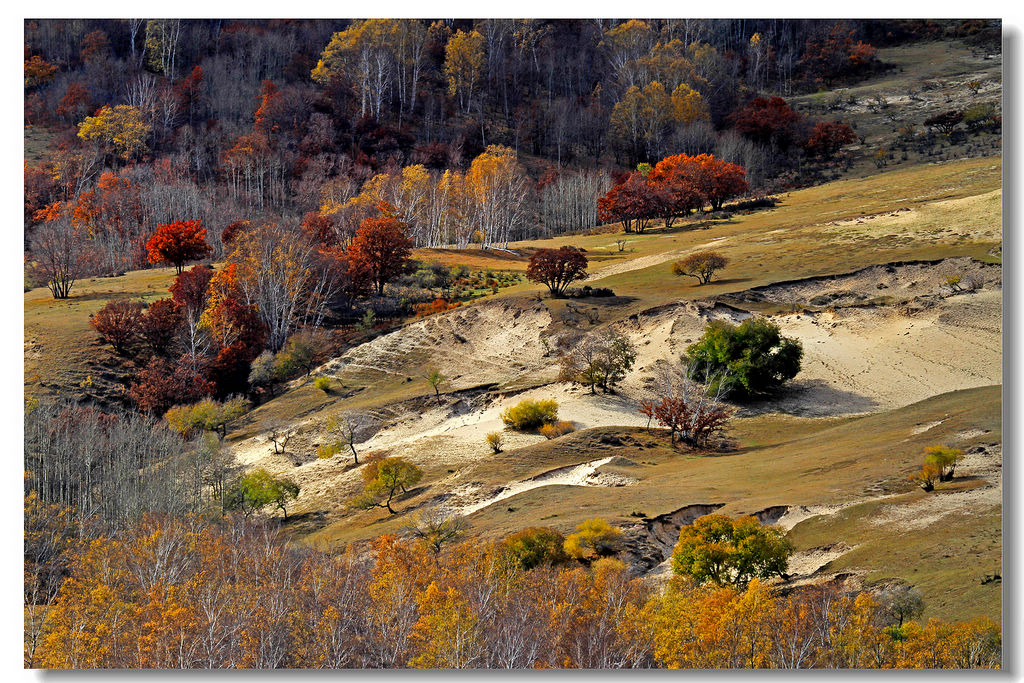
x=481, y=344
x=585, y=474
x=859, y=358
x=982, y=466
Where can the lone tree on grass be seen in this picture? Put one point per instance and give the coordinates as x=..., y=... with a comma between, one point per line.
x=383, y=480
x=943, y=458
x=557, y=268
x=702, y=265
x=178, y=243
x=727, y=551
x=59, y=256
x=344, y=428
x=747, y=359
x=435, y=379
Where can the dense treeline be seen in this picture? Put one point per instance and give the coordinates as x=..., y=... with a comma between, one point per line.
x=111, y=467
x=155, y=121
x=181, y=593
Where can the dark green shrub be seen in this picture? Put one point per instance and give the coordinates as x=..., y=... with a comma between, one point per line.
x=746, y=359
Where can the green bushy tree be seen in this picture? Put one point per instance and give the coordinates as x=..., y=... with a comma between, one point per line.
x=729, y=551
x=258, y=489
x=747, y=359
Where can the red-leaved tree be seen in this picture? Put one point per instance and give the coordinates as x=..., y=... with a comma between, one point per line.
x=719, y=180
x=160, y=325
x=828, y=137
x=163, y=384
x=676, y=176
x=767, y=120
x=380, y=249
x=118, y=323
x=633, y=203
x=178, y=243
x=557, y=268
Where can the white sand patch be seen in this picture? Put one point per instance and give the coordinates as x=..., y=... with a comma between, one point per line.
x=920, y=429
x=647, y=261
x=574, y=475
x=808, y=562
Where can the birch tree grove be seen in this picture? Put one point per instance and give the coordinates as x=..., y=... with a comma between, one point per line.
x=569, y=203
x=109, y=466
x=499, y=186
x=489, y=202
x=285, y=278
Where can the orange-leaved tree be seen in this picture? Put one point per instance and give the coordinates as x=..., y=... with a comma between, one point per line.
x=380, y=250
x=178, y=243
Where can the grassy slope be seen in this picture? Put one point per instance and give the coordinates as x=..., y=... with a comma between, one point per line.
x=61, y=350
x=779, y=460
x=758, y=255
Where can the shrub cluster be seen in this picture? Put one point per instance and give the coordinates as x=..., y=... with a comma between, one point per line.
x=530, y=414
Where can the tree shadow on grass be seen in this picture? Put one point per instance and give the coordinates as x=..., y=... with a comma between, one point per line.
x=306, y=522
x=728, y=281
x=810, y=398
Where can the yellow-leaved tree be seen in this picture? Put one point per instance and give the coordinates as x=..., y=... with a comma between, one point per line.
x=120, y=130
x=463, y=65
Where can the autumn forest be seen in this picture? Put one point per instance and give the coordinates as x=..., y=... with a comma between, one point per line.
x=511, y=343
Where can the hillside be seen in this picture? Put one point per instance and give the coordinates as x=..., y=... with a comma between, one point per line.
x=808, y=451
x=287, y=282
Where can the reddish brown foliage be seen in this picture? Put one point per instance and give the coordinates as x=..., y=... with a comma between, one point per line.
x=233, y=230
x=633, y=203
x=828, y=137
x=767, y=120
x=693, y=420
x=163, y=384
x=228, y=372
x=435, y=306
x=719, y=180
x=76, y=103
x=190, y=289
x=177, y=243
x=118, y=323
x=677, y=177
x=39, y=190
x=320, y=229
x=835, y=55
x=380, y=249
x=160, y=325
x=557, y=268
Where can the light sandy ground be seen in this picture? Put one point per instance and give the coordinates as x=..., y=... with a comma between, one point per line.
x=856, y=359
x=986, y=465
x=574, y=475
x=808, y=562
